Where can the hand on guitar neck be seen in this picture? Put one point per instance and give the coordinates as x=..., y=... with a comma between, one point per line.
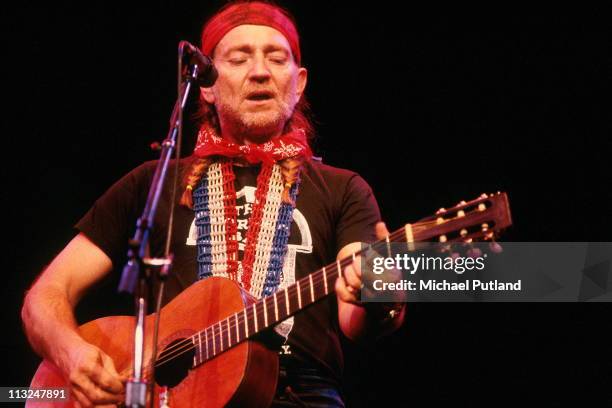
x=354, y=318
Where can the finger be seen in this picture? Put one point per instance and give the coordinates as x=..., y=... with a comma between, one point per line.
x=124, y=376
x=352, y=280
x=97, y=395
x=342, y=291
x=357, y=265
x=103, y=380
x=81, y=399
x=110, y=380
x=381, y=230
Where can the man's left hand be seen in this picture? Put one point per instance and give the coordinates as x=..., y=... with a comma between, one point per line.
x=349, y=283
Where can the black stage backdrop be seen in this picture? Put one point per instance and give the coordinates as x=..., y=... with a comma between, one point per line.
x=430, y=107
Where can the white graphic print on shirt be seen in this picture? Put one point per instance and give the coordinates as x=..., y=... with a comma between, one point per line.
x=244, y=206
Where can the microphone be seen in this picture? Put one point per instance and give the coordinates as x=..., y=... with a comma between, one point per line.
x=207, y=74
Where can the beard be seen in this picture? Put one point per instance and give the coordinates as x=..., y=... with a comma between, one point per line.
x=256, y=126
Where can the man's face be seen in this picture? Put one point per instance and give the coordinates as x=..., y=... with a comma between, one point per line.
x=259, y=83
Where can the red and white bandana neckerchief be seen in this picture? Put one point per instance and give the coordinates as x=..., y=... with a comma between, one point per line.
x=291, y=144
x=269, y=224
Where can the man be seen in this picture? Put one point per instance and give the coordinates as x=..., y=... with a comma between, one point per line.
x=281, y=214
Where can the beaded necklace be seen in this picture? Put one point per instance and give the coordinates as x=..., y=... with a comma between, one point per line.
x=267, y=234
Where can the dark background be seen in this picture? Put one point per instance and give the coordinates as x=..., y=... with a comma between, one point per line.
x=430, y=108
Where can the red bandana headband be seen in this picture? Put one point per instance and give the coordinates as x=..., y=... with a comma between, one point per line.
x=254, y=13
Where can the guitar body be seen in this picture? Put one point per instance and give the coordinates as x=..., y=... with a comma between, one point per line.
x=244, y=375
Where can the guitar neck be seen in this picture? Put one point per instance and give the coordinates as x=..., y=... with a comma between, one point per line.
x=466, y=221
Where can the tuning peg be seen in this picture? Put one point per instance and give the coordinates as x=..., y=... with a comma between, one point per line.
x=460, y=213
x=482, y=207
x=440, y=220
x=445, y=248
x=495, y=247
x=443, y=238
x=441, y=210
x=474, y=252
x=462, y=202
x=484, y=195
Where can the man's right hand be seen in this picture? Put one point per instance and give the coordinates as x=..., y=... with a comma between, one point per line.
x=92, y=375
x=49, y=322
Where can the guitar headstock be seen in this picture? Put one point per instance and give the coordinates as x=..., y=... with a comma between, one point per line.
x=480, y=219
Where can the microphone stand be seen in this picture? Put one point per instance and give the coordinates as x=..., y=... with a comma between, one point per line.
x=137, y=273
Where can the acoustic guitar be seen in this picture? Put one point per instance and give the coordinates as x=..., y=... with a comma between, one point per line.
x=211, y=353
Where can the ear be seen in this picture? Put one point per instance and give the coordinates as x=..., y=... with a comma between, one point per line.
x=208, y=95
x=302, y=78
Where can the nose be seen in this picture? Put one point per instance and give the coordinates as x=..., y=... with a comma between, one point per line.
x=259, y=69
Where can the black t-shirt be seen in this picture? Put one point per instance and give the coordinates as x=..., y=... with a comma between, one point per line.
x=334, y=208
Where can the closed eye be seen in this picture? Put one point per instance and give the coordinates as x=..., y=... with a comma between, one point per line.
x=278, y=57
x=237, y=61
x=279, y=61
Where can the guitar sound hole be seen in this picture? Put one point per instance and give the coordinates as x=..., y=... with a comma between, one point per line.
x=174, y=362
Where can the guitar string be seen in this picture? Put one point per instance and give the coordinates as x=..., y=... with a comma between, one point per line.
x=223, y=333
x=225, y=329
x=218, y=335
x=291, y=291
x=188, y=345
